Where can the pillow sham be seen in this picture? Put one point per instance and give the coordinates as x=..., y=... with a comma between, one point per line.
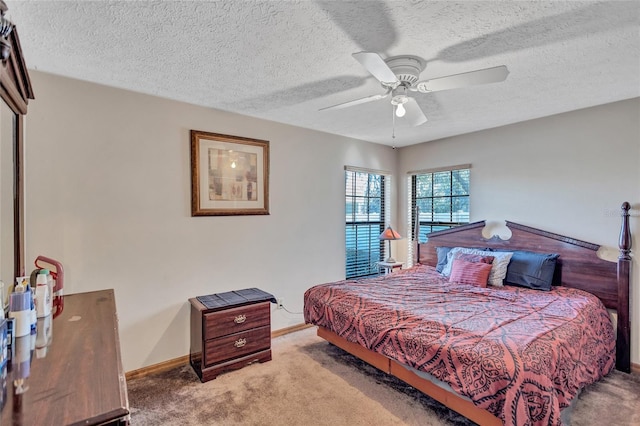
x=498, y=270
x=442, y=252
x=467, y=272
x=531, y=270
x=474, y=258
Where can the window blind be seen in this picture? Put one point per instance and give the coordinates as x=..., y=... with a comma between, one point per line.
x=441, y=197
x=366, y=205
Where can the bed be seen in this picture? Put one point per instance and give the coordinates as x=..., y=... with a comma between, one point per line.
x=497, y=355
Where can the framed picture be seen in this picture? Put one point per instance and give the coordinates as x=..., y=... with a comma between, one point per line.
x=229, y=175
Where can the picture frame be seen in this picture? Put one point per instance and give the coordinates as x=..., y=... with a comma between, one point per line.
x=229, y=175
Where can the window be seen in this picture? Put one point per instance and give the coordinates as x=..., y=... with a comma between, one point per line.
x=365, y=219
x=442, y=198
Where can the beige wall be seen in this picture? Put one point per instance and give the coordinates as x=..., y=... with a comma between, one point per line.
x=567, y=174
x=108, y=194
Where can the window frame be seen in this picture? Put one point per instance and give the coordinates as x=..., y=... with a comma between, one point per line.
x=430, y=224
x=362, y=266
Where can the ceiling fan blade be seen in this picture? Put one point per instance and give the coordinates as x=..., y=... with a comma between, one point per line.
x=472, y=78
x=377, y=67
x=356, y=102
x=414, y=113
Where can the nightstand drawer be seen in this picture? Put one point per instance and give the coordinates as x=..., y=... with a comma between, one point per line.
x=235, y=320
x=236, y=345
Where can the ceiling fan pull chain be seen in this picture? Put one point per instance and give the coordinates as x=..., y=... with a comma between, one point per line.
x=393, y=121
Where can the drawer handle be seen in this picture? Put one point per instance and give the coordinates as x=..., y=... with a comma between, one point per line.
x=240, y=343
x=240, y=319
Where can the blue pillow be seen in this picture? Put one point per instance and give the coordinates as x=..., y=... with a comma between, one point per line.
x=531, y=270
x=442, y=257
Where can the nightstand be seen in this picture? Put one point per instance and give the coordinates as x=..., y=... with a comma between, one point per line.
x=387, y=268
x=229, y=331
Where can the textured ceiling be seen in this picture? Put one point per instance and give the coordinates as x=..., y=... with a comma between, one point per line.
x=284, y=60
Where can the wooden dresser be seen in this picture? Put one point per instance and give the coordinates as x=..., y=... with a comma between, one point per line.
x=78, y=377
x=229, y=331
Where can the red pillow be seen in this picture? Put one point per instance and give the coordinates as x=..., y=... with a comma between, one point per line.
x=474, y=273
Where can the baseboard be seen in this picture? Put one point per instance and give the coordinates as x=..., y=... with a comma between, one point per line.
x=183, y=360
x=157, y=368
x=287, y=330
x=635, y=368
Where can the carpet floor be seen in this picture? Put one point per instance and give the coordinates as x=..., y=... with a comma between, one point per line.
x=310, y=382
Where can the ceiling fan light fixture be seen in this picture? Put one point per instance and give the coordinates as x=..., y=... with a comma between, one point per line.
x=399, y=100
x=400, y=96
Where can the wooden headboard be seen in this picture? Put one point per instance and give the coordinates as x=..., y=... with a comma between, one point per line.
x=578, y=265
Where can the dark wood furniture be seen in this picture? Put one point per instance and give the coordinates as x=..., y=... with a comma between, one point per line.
x=578, y=267
x=229, y=331
x=80, y=380
x=15, y=91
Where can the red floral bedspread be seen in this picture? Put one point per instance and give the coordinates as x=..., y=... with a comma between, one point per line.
x=520, y=354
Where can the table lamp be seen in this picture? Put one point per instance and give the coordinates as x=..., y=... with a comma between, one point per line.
x=389, y=234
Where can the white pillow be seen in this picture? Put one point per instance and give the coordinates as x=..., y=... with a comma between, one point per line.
x=498, y=269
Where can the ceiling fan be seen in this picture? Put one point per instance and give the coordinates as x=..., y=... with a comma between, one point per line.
x=399, y=76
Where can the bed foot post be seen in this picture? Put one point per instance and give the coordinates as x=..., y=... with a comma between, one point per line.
x=623, y=343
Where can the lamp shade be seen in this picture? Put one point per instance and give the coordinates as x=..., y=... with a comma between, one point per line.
x=389, y=234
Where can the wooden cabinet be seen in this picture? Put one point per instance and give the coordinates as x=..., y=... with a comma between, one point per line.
x=78, y=377
x=231, y=332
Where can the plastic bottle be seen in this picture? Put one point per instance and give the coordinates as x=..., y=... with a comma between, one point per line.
x=51, y=285
x=43, y=295
x=20, y=309
x=32, y=303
